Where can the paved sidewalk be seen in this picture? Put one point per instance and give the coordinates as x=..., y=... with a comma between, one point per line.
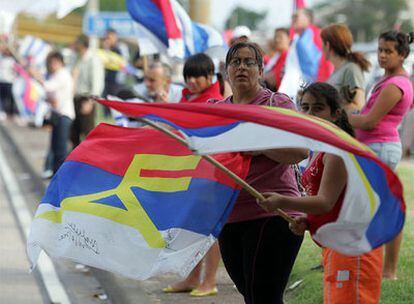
x=33, y=144
x=17, y=285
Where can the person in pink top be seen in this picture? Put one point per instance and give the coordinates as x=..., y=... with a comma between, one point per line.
x=257, y=247
x=377, y=125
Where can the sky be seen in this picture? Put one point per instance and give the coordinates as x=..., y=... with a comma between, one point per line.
x=278, y=15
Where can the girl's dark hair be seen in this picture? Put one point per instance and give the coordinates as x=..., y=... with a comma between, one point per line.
x=198, y=65
x=201, y=65
x=340, y=40
x=55, y=55
x=401, y=39
x=325, y=91
x=253, y=46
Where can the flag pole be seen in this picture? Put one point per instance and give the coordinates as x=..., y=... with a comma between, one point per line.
x=216, y=163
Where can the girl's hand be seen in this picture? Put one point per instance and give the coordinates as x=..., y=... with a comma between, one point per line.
x=299, y=226
x=272, y=201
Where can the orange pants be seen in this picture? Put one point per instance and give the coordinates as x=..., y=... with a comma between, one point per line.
x=352, y=279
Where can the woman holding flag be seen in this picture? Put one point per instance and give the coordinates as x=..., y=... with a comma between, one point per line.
x=257, y=247
x=347, y=279
x=377, y=126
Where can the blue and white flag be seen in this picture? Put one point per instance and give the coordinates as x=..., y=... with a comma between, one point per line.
x=170, y=28
x=35, y=50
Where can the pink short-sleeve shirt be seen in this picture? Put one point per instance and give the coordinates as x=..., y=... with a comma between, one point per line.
x=387, y=129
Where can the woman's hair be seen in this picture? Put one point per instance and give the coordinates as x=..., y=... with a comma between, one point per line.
x=325, y=91
x=340, y=40
x=283, y=30
x=402, y=41
x=201, y=65
x=55, y=55
x=253, y=46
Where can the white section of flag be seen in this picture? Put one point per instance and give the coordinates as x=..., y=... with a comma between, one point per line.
x=292, y=79
x=347, y=234
x=105, y=244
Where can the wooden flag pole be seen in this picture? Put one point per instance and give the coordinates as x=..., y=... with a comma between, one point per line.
x=216, y=163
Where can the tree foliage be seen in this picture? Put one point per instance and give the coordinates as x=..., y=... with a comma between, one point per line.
x=111, y=5
x=242, y=16
x=368, y=18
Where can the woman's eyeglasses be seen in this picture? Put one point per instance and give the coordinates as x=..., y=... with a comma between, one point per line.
x=248, y=62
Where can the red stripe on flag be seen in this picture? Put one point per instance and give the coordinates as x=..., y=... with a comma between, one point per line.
x=205, y=170
x=300, y=4
x=173, y=31
x=107, y=143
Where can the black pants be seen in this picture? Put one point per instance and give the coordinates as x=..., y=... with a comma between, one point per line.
x=7, y=103
x=259, y=256
x=59, y=140
x=82, y=124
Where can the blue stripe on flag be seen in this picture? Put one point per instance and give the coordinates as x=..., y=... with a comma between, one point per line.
x=28, y=50
x=389, y=218
x=78, y=175
x=200, y=37
x=199, y=132
x=309, y=55
x=149, y=15
x=200, y=209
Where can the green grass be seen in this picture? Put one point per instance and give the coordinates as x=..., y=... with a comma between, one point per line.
x=100, y=117
x=310, y=291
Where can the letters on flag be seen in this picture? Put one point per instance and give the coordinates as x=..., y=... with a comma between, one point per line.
x=373, y=210
x=169, y=27
x=134, y=202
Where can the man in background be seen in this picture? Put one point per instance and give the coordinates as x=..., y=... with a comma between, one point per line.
x=114, y=80
x=275, y=67
x=157, y=86
x=89, y=78
x=313, y=64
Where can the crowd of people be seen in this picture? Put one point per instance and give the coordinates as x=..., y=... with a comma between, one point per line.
x=258, y=248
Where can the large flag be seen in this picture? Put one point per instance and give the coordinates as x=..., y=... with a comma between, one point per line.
x=305, y=61
x=135, y=202
x=41, y=8
x=373, y=210
x=170, y=28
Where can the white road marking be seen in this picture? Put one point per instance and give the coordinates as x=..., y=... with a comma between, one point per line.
x=54, y=287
